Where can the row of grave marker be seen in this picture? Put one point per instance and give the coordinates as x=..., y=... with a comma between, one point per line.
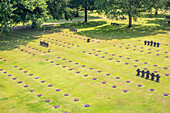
x=87, y=105
x=120, y=57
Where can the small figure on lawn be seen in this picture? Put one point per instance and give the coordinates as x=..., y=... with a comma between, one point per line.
x=147, y=74
x=138, y=72
x=145, y=42
x=88, y=40
x=158, y=44
x=47, y=44
x=154, y=44
x=143, y=73
x=151, y=43
x=157, y=78
x=152, y=76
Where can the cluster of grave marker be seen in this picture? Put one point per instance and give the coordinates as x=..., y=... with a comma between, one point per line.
x=88, y=40
x=24, y=50
x=120, y=57
x=147, y=75
x=32, y=90
x=3, y=59
x=151, y=43
x=50, y=85
x=143, y=74
x=62, y=45
x=72, y=29
x=104, y=82
x=36, y=49
x=63, y=42
x=43, y=43
x=141, y=48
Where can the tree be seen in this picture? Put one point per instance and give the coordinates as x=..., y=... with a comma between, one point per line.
x=6, y=14
x=120, y=8
x=30, y=10
x=87, y=5
x=159, y=4
x=16, y=11
x=59, y=8
x=75, y=4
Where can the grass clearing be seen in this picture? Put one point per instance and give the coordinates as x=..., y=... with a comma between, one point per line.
x=101, y=97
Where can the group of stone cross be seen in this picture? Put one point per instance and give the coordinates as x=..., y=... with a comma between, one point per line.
x=88, y=40
x=44, y=44
x=151, y=43
x=147, y=75
x=114, y=24
x=72, y=29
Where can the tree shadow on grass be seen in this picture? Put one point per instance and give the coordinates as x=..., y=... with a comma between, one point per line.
x=163, y=23
x=109, y=32
x=154, y=16
x=80, y=25
x=25, y=36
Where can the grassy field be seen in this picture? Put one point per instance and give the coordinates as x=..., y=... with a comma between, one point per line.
x=75, y=73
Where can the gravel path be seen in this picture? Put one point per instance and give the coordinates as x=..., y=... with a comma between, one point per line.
x=45, y=24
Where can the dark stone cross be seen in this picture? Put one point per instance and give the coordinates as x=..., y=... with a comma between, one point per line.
x=157, y=78
x=143, y=73
x=145, y=42
x=158, y=44
x=152, y=76
x=40, y=42
x=154, y=44
x=148, y=43
x=147, y=74
x=151, y=43
x=88, y=40
x=138, y=72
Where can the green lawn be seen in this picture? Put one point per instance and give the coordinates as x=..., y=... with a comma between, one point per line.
x=66, y=50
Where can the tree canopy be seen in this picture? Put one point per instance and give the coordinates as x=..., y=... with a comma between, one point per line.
x=122, y=8
x=159, y=4
x=16, y=11
x=37, y=11
x=59, y=9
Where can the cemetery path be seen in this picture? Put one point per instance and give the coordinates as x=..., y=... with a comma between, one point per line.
x=70, y=21
x=45, y=24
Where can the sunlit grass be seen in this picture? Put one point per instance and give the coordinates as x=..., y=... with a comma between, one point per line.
x=102, y=98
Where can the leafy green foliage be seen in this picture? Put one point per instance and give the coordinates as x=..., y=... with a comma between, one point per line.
x=58, y=9
x=6, y=14
x=85, y=4
x=159, y=4
x=121, y=8
x=16, y=11
x=26, y=10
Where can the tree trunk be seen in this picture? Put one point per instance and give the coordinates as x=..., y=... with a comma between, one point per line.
x=85, y=14
x=156, y=12
x=130, y=21
x=77, y=14
x=85, y=11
